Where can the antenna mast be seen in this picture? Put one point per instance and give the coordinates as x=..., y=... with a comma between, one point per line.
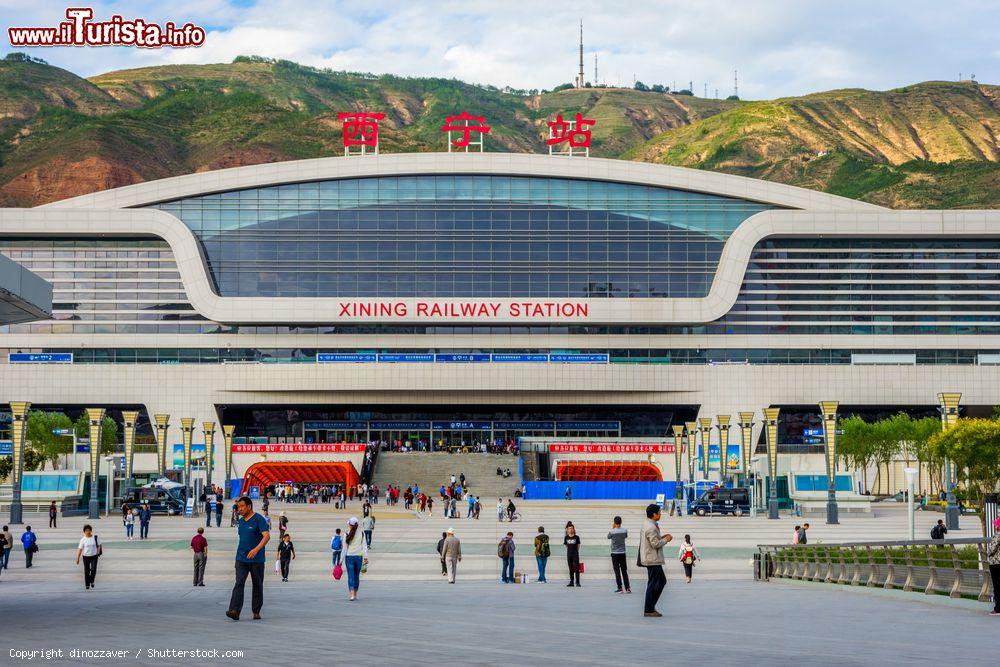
x=595, y=69
x=580, y=77
x=736, y=84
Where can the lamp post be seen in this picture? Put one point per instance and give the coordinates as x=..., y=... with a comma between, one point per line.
x=949, y=415
x=678, y=435
x=95, y=419
x=162, y=424
x=771, y=427
x=829, y=411
x=746, y=445
x=911, y=478
x=110, y=460
x=691, y=428
x=187, y=433
x=209, y=428
x=723, y=421
x=706, y=437
x=227, y=432
x=129, y=418
x=18, y=426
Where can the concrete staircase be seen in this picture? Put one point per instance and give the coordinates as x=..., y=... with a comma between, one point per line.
x=432, y=469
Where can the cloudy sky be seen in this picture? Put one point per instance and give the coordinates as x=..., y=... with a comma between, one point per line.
x=780, y=48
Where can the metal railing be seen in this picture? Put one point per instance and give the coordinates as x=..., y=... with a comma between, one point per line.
x=957, y=568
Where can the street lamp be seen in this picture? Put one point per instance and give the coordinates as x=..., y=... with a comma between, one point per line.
x=678, y=434
x=162, y=424
x=691, y=428
x=746, y=444
x=723, y=421
x=949, y=415
x=110, y=460
x=227, y=432
x=129, y=417
x=706, y=438
x=829, y=410
x=95, y=420
x=209, y=428
x=771, y=428
x=18, y=426
x=911, y=477
x=187, y=432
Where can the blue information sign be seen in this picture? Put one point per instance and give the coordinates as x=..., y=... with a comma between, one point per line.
x=588, y=426
x=463, y=426
x=578, y=358
x=345, y=357
x=520, y=358
x=254, y=493
x=462, y=358
x=406, y=358
x=40, y=358
x=524, y=426
x=812, y=431
x=333, y=425
x=6, y=447
x=400, y=426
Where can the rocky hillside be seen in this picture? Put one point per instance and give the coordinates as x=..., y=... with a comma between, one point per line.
x=927, y=145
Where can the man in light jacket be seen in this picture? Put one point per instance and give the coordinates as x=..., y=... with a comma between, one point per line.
x=451, y=553
x=651, y=544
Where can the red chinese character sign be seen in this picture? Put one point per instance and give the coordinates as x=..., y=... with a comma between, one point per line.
x=360, y=131
x=464, y=125
x=569, y=137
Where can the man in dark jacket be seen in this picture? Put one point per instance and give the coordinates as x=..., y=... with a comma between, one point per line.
x=939, y=531
x=444, y=568
x=144, y=516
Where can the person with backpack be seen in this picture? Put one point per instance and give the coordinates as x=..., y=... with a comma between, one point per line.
x=618, y=535
x=90, y=550
x=336, y=547
x=505, y=551
x=939, y=531
x=542, y=553
x=687, y=555
x=572, y=542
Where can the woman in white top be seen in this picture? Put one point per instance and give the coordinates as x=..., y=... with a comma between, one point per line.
x=687, y=555
x=355, y=556
x=129, y=525
x=89, y=549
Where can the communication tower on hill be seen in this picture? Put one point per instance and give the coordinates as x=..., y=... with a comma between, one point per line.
x=580, y=80
x=736, y=84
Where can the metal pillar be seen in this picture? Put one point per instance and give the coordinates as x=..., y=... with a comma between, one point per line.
x=829, y=411
x=771, y=427
x=95, y=420
x=162, y=424
x=706, y=439
x=18, y=426
x=187, y=433
x=723, y=421
x=746, y=445
x=227, y=432
x=209, y=428
x=949, y=415
x=129, y=418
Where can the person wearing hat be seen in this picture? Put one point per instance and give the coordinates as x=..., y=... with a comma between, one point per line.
x=451, y=552
x=355, y=556
x=993, y=556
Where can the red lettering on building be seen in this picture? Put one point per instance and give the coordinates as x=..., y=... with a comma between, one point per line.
x=570, y=132
x=612, y=448
x=360, y=127
x=462, y=123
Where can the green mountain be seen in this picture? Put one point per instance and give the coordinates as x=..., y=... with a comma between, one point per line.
x=929, y=145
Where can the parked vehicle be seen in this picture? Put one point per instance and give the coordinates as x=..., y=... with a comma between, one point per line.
x=163, y=497
x=722, y=501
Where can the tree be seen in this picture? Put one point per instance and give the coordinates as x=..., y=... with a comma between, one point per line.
x=109, y=432
x=6, y=467
x=920, y=435
x=40, y=437
x=562, y=86
x=855, y=446
x=973, y=445
x=639, y=85
x=683, y=92
x=658, y=88
x=733, y=98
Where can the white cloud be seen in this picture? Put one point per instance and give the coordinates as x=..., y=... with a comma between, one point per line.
x=780, y=48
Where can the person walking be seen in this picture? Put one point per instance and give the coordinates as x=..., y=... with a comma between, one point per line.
x=651, y=543
x=368, y=526
x=803, y=536
x=3, y=549
x=993, y=557
x=144, y=516
x=234, y=515
x=795, y=534
x=355, y=558
x=505, y=551
x=618, y=535
x=209, y=502
x=451, y=553
x=219, y=506
x=542, y=552
x=9, y=539
x=939, y=530
x=440, y=550
x=53, y=513
x=282, y=525
x=129, y=525
x=286, y=554
x=572, y=542
x=199, y=545
x=336, y=547
x=500, y=509
x=30, y=543
x=90, y=550
x=687, y=555
x=250, y=558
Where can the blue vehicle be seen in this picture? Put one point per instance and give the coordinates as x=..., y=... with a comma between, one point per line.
x=722, y=501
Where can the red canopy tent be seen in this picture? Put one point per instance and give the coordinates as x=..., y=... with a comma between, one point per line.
x=266, y=473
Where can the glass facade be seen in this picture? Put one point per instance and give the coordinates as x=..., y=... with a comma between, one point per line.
x=462, y=236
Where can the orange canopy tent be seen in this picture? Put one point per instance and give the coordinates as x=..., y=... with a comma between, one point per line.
x=266, y=473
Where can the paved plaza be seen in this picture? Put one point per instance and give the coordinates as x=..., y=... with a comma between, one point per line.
x=407, y=613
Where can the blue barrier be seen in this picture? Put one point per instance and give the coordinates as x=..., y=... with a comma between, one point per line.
x=599, y=490
x=235, y=486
